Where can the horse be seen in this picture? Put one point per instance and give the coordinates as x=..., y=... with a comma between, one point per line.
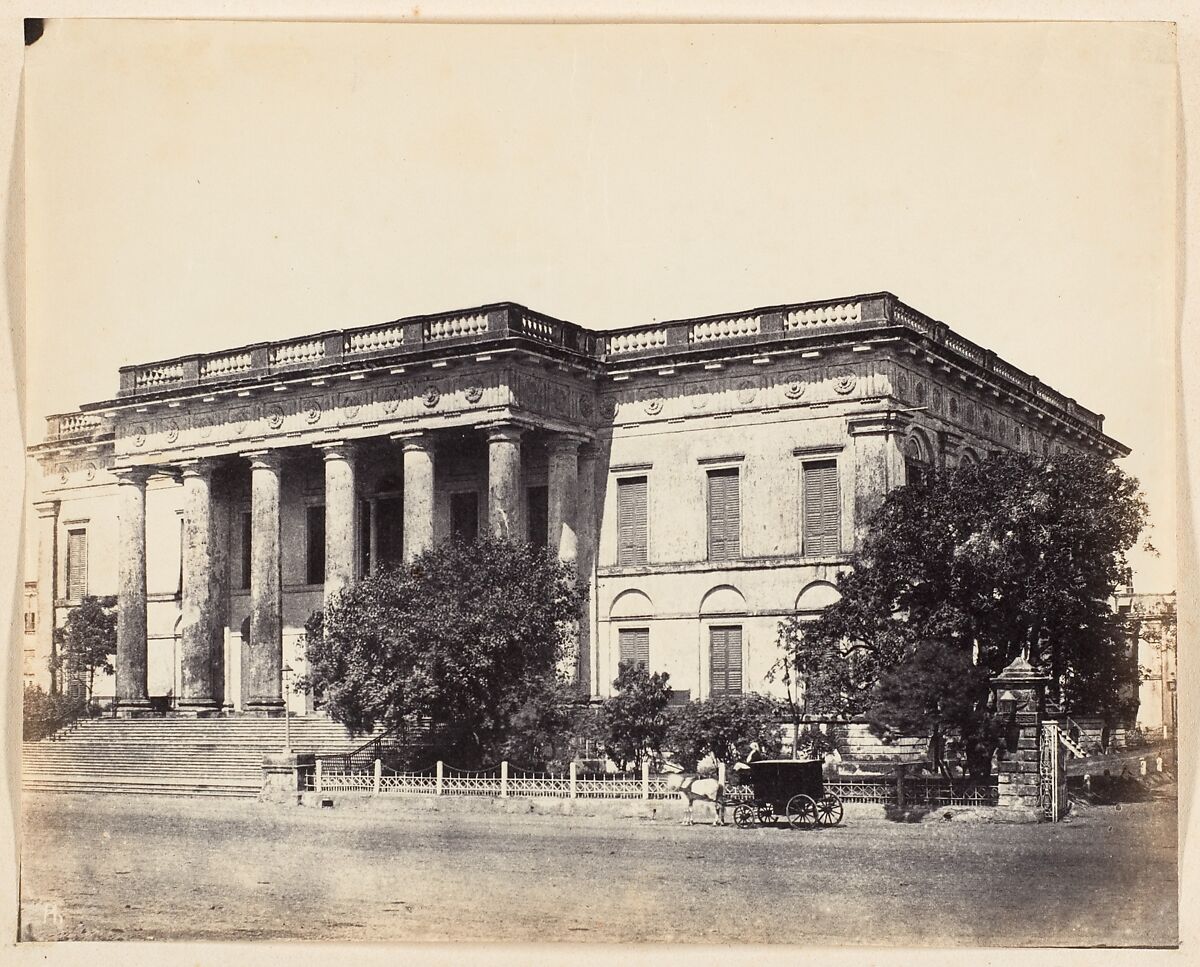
x=693, y=787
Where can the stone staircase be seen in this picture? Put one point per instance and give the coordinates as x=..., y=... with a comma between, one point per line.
x=172, y=756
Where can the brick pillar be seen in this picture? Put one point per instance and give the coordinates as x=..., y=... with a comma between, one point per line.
x=1018, y=693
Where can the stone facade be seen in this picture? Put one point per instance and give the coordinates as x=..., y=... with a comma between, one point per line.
x=706, y=476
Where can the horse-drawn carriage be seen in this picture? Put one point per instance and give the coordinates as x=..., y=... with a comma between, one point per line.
x=788, y=788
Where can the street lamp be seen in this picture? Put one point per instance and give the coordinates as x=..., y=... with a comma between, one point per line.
x=287, y=714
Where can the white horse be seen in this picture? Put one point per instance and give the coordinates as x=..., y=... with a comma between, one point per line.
x=693, y=787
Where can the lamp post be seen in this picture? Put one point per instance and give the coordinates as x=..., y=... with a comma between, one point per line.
x=287, y=712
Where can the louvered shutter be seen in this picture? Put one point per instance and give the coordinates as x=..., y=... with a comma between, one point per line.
x=725, y=661
x=635, y=647
x=724, y=515
x=631, y=521
x=77, y=582
x=822, y=516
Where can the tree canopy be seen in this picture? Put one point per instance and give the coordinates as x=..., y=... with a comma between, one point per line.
x=635, y=721
x=1013, y=555
x=723, y=726
x=85, y=644
x=468, y=635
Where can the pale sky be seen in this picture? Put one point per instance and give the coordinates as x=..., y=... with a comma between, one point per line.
x=193, y=186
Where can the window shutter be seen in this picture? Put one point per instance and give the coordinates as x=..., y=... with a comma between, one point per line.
x=822, y=515
x=724, y=515
x=725, y=661
x=635, y=647
x=77, y=583
x=631, y=521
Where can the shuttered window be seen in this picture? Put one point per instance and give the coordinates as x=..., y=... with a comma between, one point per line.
x=77, y=569
x=725, y=660
x=822, y=515
x=724, y=515
x=631, y=521
x=635, y=647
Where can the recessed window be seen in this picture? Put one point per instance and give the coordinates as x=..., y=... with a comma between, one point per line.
x=464, y=515
x=725, y=660
x=538, y=515
x=314, y=531
x=822, y=521
x=631, y=521
x=246, y=537
x=724, y=515
x=77, y=564
x=634, y=647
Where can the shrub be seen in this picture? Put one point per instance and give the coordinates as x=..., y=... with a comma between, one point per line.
x=43, y=714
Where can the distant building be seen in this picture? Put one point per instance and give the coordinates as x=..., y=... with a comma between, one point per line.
x=708, y=477
x=1152, y=620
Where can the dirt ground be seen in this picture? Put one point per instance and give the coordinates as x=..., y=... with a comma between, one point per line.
x=118, y=867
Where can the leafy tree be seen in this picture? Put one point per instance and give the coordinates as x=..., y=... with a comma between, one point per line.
x=934, y=690
x=468, y=635
x=85, y=644
x=635, y=720
x=723, y=727
x=1013, y=555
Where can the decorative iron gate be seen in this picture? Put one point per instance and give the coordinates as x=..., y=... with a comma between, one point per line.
x=1052, y=776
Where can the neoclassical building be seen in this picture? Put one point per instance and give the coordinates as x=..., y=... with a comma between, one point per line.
x=707, y=477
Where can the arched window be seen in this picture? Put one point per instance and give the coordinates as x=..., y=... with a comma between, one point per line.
x=916, y=460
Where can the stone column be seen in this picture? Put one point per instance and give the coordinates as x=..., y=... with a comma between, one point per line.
x=585, y=516
x=878, y=464
x=263, y=663
x=418, y=492
x=198, y=692
x=341, y=517
x=504, y=481
x=562, y=477
x=47, y=561
x=132, y=697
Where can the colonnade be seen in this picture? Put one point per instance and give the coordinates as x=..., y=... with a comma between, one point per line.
x=571, y=471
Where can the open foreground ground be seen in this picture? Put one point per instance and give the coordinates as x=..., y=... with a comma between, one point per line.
x=117, y=867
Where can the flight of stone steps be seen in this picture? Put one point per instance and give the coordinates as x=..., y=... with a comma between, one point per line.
x=172, y=756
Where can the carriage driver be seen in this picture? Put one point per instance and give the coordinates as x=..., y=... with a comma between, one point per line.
x=742, y=769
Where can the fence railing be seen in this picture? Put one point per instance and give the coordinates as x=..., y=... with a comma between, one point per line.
x=504, y=781
x=497, y=782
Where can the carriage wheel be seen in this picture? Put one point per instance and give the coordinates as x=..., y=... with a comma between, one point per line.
x=829, y=810
x=743, y=816
x=801, y=812
x=766, y=814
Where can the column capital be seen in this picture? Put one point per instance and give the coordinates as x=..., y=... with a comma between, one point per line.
x=414, y=440
x=202, y=467
x=567, y=442
x=264, y=459
x=47, y=508
x=133, y=476
x=337, y=449
x=503, y=431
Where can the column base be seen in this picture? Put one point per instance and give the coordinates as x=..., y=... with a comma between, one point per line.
x=266, y=707
x=132, y=708
x=195, y=709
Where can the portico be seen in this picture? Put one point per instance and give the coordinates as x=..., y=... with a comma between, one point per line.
x=500, y=467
